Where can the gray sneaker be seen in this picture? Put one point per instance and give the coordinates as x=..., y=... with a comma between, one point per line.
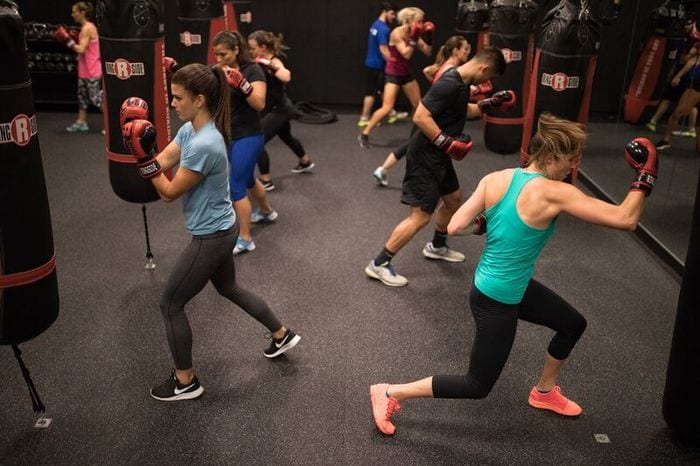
x=260, y=216
x=386, y=274
x=380, y=176
x=443, y=253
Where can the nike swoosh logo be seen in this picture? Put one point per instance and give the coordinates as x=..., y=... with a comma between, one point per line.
x=180, y=391
x=282, y=343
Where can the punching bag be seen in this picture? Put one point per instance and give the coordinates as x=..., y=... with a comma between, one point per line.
x=198, y=21
x=659, y=56
x=131, y=45
x=511, y=30
x=472, y=22
x=562, y=73
x=28, y=287
x=681, y=405
x=238, y=16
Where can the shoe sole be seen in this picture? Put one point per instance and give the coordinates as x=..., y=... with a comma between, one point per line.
x=182, y=396
x=430, y=255
x=248, y=249
x=292, y=343
x=548, y=407
x=305, y=169
x=265, y=219
x=371, y=274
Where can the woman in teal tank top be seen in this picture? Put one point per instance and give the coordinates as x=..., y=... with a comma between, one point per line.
x=518, y=209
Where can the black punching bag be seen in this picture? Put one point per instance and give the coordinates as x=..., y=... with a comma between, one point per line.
x=198, y=22
x=472, y=22
x=238, y=16
x=659, y=55
x=511, y=31
x=28, y=287
x=681, y=405
x=131, y=45
x=562, y=73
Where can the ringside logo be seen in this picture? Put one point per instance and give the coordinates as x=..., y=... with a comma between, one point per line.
x=512, y=55
x=19, y=131
x=559, y=81
x=188, y=39
x=123, y=69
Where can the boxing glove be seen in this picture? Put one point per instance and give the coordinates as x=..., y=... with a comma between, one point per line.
x=505, y=100
x=416, y=29
x=237, y=80
x=62, y=35
x=640, y=154
x=133, y=108
x=265, y=63
x=170, y=65
x=428, y=30
x=480, y=224
x=480, y=92
x=455, y=148
x=140, y=139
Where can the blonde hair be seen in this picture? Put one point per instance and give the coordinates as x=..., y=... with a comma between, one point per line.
x=407, y=15
x=556, y=138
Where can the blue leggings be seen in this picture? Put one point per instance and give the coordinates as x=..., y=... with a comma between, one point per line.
x=243, y=154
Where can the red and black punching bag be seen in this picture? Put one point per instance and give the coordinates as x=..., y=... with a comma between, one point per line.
x=238, y=16
x=198, y=22
x=28, y=287
x=511, y=30
x=472, y=22
x=658, y=57
x=131, y=45
x=562, y=73
x=681, y=405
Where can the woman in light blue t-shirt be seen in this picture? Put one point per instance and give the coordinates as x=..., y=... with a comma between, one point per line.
x=518, y=209
x=201, y=98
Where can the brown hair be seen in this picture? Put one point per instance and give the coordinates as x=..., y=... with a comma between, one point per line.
x=450, y=45
x=198, y=79
x=556, y=138
x=231, y=40
x=85, y=8
x=273, y=42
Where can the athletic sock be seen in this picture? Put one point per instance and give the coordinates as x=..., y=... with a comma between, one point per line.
x=439, y=239
x=384, y=257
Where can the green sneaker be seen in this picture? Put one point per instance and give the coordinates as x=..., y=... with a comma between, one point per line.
x=78, y=127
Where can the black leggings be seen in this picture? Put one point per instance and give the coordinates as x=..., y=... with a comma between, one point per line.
x=277, y=124
x=495, y=331
x=206, y=258
x=401, y=151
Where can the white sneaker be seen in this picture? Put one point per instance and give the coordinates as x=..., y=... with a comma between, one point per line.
x=380, y=175
x=443, y=253
x=260, y=216
x=386, y=274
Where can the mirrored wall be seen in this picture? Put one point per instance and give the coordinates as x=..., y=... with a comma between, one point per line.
x=656, y=36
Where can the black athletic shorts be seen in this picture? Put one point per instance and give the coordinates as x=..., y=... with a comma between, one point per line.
x=374, y=81
x=399, y=80
x=429, y=176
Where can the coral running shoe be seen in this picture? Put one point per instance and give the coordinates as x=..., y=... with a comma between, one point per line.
x=553, y=401
x=383, y=407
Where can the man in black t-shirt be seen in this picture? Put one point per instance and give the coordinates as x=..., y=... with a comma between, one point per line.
x=430, y=175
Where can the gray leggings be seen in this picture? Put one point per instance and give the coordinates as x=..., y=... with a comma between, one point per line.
x=206, y=258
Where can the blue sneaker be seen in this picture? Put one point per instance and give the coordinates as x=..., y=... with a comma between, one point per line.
x=260, y=216
x=243, y=245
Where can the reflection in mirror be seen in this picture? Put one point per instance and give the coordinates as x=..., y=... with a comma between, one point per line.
x=641, y=54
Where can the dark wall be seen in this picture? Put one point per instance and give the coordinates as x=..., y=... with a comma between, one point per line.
x=328, y=40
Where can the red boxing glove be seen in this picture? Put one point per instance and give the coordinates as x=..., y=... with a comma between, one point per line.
x=640, y=154
x=139, y=137
x=480, y=92
x=428, y=29
x=265, y=63
x=237, y=80
x=416, y=29
x=505, y=100
x=133, y=108
x=480, y=224
x=455, y=148
x=170, y=65
x=62, y=35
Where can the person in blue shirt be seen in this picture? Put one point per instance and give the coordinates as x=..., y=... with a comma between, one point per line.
x=377, y=55
x=201, y=99
x=518, y=209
